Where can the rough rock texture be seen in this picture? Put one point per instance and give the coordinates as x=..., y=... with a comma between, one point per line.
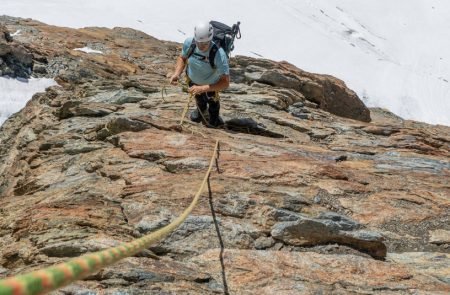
x=307, y=202
x=329, y=93
x=15, y=59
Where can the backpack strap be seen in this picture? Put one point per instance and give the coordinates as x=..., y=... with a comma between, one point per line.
x=212, y=55
x=212, y=52
x=191, y=49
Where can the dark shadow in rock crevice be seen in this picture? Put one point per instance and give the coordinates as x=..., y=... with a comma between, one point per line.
x=250, y=126
x=81, y=109
x=119, y=125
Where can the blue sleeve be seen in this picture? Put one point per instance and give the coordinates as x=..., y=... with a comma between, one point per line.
x=221, y=62
x=187, y=43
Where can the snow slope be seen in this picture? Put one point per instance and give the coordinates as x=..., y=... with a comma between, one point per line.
x=394, y=54
x=14, y=94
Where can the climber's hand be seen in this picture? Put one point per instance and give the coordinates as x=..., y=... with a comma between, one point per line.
x=198, y=89
x=174, y=79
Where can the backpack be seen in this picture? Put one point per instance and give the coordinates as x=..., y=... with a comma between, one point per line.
x=223, y=38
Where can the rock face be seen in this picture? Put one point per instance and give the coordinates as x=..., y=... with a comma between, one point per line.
x=15, y=59
x=308, y=201
x=329, y=93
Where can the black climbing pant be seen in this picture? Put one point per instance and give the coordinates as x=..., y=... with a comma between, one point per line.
x=204, y=101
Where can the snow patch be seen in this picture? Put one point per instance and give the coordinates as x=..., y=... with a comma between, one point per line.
x=88, y=50
x=14, y=93
x=16, y=33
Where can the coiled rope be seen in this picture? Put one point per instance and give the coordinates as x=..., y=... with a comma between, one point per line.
x=60, y=275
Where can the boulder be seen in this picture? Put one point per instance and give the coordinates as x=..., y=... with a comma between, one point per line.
x=329, y=227
x=330, y=93
x=15, y=59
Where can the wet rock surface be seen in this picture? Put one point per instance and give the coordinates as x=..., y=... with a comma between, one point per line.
x=312, y=198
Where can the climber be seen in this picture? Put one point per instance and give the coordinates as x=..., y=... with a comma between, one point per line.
x=205, y=78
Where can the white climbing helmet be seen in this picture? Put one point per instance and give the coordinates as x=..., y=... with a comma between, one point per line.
x=203, y=32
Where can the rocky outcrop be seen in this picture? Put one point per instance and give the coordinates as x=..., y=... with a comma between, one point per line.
x=306, y=202
x=328, y=228
x=329, y=93
x=15, y=59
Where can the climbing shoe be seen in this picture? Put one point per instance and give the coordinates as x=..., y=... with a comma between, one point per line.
x=196, y=116
x=216, y=122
